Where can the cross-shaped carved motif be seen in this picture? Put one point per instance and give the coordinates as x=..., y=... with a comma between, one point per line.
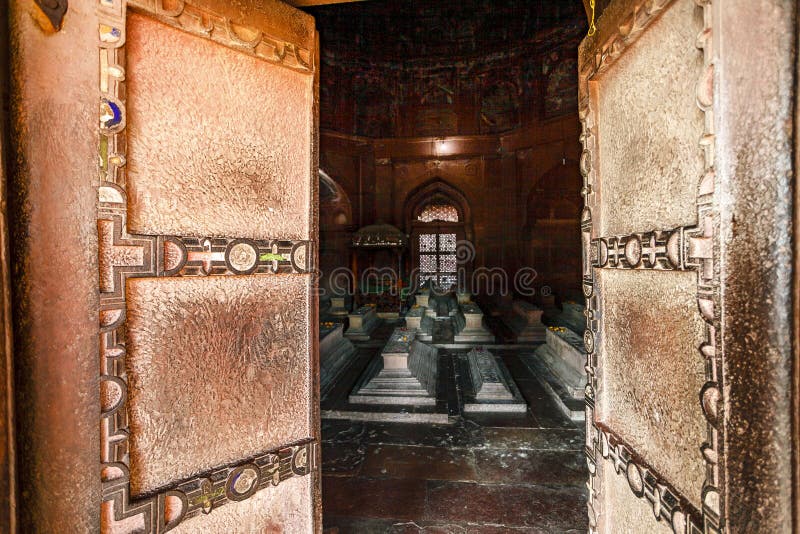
x=118, y=255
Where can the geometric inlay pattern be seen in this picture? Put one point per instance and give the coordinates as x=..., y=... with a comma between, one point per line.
x=439, y=212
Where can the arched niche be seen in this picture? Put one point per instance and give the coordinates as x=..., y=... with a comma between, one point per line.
x=438, y=220
x=335, y=208
x=335, y=227
x=555, y=195
x=433, y=191
x=551, y=234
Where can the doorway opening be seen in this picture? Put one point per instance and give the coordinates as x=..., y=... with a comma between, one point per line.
x=450, y=295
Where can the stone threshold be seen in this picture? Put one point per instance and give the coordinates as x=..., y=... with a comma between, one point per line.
x=488, y=346
x=389, y=417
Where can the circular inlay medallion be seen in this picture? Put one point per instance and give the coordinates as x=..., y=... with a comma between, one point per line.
x=300, y=462
x=174, y=255
x=299, y=256
x=674, y=249
x=110, y=114
x=657, y=502
x=242, y=482
x=242, y=256
x=604, y=447
x=710, y=397
x=588, y=341
x=678, y=522
x=635, y=479
x=112, y=394
x=587, y=290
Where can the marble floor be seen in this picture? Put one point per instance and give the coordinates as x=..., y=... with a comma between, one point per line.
x=483, y=474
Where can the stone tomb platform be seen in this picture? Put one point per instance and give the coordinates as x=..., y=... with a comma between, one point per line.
x=526, y=322
x=474, y=328
x=336, y=352
x=559, y=365
x=421, y=319
x=404, y=374
x=362, y=323
x=572, y=316
x=487, y=385
x=338, y=307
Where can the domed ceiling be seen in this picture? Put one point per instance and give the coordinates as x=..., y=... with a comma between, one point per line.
x=409, y=68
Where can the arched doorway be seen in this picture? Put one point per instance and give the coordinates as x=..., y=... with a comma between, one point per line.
x=437, y=219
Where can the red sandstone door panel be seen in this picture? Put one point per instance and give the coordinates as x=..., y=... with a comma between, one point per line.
x=649, y=235
x=207, y=243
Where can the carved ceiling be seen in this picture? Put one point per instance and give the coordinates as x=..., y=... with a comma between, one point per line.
x=407, y=68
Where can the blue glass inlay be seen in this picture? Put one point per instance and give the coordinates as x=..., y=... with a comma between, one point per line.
x=110, y=114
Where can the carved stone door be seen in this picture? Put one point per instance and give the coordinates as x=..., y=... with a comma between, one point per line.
x=686, y=433
x=206, y=246
x=206, y=235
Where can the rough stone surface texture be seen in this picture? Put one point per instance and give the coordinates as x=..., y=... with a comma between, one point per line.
x=622, y=512
x=652, y=381
x=53, y=206
x=250, y=170
x=200, y=347
x=648, y=133
x=285, y=509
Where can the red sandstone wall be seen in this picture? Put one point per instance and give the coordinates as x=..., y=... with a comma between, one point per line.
x=523, y=191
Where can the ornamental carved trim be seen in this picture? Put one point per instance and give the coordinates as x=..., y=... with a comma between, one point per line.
x=689, y=248
x=122, y=255
x=645, y=482
x=221, y=29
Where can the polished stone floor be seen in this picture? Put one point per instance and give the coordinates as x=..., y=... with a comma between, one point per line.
x=483, y=474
